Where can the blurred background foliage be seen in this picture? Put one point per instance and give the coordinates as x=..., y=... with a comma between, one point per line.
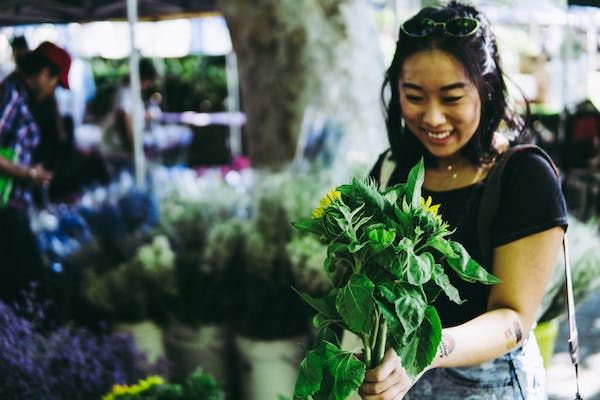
x=191, y=83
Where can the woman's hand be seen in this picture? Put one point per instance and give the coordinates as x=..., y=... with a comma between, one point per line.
x=388, y=381
x=39, y=176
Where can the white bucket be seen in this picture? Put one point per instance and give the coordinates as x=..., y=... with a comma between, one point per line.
x=191, y=347
x=269, y=368
x=147, y=335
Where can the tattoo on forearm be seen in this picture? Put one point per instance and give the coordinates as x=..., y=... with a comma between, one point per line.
x=514, y=335
x=446, y=346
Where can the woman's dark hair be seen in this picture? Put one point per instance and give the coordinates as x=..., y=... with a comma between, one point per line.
x=478, y=53
x=33, y=62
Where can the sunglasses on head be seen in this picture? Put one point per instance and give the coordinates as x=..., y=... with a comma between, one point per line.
x=458, y=27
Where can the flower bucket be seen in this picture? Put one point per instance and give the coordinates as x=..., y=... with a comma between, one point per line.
x=269, y=368
x=191, y=347
x=148, y=338
x=546, y=334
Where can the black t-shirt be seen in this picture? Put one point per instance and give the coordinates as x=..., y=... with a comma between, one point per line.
x=531, y=201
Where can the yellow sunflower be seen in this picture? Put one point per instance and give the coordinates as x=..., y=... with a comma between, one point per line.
x=427, y=205
x=329, y=198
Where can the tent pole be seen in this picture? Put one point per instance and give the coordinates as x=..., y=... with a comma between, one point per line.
x=233, y=103
x=135, y=87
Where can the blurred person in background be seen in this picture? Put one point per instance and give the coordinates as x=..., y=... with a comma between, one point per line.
x=118, y=132
x=19, y=49
x=39, y=73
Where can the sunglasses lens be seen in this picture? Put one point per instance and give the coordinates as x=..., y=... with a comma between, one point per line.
x=461, y=26
x=419, y=27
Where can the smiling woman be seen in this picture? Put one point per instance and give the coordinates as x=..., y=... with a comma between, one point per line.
x=448, y=104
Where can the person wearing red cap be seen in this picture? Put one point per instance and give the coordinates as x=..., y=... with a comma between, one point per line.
x=38, y=74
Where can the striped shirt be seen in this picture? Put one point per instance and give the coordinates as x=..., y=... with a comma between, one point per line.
x=18, y=131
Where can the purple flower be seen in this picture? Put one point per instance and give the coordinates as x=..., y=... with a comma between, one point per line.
x=63, y=363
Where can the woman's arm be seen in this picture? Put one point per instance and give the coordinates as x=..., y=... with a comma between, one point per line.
x=36, y=174
x=525, y=267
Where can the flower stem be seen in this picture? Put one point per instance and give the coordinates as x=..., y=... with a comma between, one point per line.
x=379, y=350
x=374, y=332
x=367, y=349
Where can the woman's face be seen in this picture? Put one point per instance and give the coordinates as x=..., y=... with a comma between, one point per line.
x=440, y=104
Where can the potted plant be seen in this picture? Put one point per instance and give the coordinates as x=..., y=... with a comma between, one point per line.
x=196, y=215
x=136, y=294
x=199, y=334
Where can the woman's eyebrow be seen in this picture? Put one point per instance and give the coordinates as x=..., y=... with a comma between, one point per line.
x=445, y=88
x=408, y=85
x=452, y=86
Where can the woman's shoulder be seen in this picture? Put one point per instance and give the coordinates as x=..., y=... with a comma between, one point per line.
x=529, y=162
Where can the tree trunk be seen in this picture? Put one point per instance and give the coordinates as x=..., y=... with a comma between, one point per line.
x=294, y=56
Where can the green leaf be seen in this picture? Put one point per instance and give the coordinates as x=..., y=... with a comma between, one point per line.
x=355, y=246
x=467, y=268
x=404, y=221
x=409, y=305
x=370, y=194
x=345, y=370
x=443, y=281
x=312, y=225
x=380, y=238
x=399, y=189
x=419, y=269
x=310, y=375
x=391, y=197
x=355, y=304
x=324, y=332
x=442, y=245
x=324, y=305
x=329, y=373
x=416, y=176
x=422, y=348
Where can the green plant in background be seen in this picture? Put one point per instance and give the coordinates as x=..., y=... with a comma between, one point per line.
x=387, y=256
x=139, y=289
x=195, y=83
x=266, y=305
x=191, y=83
x=199, y=221
x=198, y=386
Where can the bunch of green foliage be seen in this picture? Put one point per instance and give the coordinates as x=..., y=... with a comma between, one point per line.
x=388, y=257
x=198, y=386
x=139, y=289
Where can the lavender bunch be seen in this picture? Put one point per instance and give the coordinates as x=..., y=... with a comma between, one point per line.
x=61, y=363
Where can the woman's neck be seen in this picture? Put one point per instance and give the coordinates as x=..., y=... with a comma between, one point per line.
x=453, y=173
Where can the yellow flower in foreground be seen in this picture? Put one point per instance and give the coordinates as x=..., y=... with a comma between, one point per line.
x=139, y=388
x=329, y=198
x=427, y=204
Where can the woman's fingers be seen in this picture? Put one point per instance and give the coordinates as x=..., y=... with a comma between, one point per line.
x=387, y=381
x=380, y=386
x=395, y=392
x=390, y=362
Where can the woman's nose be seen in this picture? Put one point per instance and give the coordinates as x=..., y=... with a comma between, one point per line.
x=434, y=115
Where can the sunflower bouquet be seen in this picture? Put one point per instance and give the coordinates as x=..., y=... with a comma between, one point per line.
x=388, y=257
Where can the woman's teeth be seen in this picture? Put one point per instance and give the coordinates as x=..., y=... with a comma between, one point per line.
x=439, y=136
